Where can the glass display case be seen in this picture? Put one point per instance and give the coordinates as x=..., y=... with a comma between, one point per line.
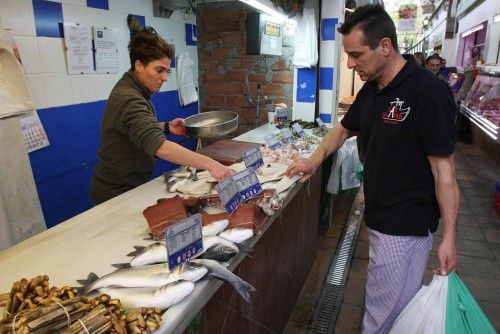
x=482, y=105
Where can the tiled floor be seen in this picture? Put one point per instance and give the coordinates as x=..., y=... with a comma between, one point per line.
x=478, y=248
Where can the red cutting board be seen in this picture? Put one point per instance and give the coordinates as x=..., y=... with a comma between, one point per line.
x=226, y=151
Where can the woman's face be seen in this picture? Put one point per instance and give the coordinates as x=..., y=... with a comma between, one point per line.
x=154, y=74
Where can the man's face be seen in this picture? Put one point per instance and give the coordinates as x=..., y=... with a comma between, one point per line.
x=434, y=65
x=366, y=62
x=154, y=74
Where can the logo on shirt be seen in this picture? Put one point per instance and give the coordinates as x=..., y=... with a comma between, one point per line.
x=396, y=113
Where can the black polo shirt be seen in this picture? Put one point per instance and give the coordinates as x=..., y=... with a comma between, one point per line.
x=399, y=127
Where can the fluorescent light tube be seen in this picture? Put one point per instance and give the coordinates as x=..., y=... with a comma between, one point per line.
x=471, y=30
x=266, y=9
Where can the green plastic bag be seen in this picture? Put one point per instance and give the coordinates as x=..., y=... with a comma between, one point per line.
x=463, y=314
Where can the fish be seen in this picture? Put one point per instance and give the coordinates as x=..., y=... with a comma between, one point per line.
x=219, y=253
x=217, y=270
x=157, y=252
x=199, y=187
x=214, y=228
x=283, y=184
x=172, y=186
x=145, y=276
x=237, y=234
x=162, y=297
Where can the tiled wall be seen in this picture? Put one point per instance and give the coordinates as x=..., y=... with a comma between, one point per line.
x=71, y=106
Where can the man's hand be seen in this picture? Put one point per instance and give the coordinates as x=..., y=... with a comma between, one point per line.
x=306, y=166
x=448, y=258
x=176, y=127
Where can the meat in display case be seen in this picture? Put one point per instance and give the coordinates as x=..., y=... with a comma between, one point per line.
x=482, y=105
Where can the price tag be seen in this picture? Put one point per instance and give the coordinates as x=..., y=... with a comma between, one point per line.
x=183, y=240
x=321, y=123
x=248, y=184
x=253, y=158
x=272, y=141
x=298, y=129
x=287, y=134
x=281, y=114
x=229, y=194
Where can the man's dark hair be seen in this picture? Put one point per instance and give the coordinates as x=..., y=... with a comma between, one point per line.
x=375, y=23
x=146, y=46
x=431, y=57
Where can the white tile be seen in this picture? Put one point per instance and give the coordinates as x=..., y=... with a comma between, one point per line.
x=98, y=17
x=103, y=83
x=57, y=89
x=119, y=21
x=36, y=86
x=17, y=15
x=30, y=57
x=325, y=101
x=123, y=56
x=119, y=6
x=81, y=86
x=82, y=3
x=75, y=14
x=327, y=50
x=52, y=54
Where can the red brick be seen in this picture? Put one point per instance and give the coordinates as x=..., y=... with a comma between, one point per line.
x=209, y=27
x=205, y=38
x=273, y=90
x=236, y=101
x=227, y=88
x=205, y=54
x=219, y=53
x=209, y=66
x=283, y=77
x=257, y=78
x=234, y=63
x=228, y=25
x=234, y=76
x=280, y=65
x=210, y=89
x=213, y=77
x=230, y=13
x=241, y=51
x=232, y=39
x=242, y=25
x=248, y=63
x=209, y=14
x=215, y=100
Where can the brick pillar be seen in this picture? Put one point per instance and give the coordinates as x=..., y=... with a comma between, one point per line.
x=224, y=66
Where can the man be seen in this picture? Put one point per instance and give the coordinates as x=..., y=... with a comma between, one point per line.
x=433, y=63
x=419, y=58
x=405, y=119
x=131, y=136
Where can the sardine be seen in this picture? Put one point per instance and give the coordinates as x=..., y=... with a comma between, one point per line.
x=172, y=186
x=162, y=297
x=145, y=276
x=237, y=234
x=217, y=270
x=214, y=228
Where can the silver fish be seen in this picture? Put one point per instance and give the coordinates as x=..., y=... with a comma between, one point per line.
x=173, y=185
x=216, y=270
x=162, y=297
x=237, y=234
x=146, y=276
x=214, y=228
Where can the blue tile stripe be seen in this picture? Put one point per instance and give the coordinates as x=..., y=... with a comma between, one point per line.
x=306, y=85
x=191, y=34
x=328, y=29
x=326, y=78
x=327, y=118
x=48, y=18
x=101, y=4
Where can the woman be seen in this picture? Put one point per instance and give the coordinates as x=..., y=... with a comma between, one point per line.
x=131, y=136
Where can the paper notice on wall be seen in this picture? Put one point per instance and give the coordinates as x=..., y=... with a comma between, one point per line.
x=106, y=52
x=78, y=44
x=35, y=137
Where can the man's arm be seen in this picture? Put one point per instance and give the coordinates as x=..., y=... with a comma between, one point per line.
x=448, y=197
x=331, y=143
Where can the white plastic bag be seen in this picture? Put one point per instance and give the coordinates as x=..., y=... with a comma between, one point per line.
x=306, y=40
x=426, y=312
x=343, y=172
x=185, y=81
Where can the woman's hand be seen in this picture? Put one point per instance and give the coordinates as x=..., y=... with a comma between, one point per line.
x=176, y=127
x=219, y=171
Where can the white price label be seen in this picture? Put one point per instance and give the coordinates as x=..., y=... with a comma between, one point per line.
x=183, y=240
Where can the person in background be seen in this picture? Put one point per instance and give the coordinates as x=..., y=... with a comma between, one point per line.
x=405, y=119
x=419, y=58
x=433, y=64
x=444, y=71
x=131, y=136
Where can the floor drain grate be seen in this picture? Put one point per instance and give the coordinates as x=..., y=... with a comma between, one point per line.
x=327, y=309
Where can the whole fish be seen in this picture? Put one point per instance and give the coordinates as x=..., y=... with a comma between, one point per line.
x=219, y=253
x=174, y=184
x=162, y=297
x=145, y=276
x=214, y=228
x=237, y=234
x=217, y=270
x=157, y=252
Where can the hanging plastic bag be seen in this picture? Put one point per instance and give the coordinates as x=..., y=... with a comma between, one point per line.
x=343, y=172
x=187, y=89
x=463, y=314
x=426, y=312
x=306, y=44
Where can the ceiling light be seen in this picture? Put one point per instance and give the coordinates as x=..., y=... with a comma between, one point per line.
x=269, y=10
x=472, y=30
x=496, y=18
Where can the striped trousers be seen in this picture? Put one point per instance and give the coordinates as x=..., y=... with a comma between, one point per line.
x=395, y=273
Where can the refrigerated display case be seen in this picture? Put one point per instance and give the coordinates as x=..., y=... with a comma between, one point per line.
x=482, y=104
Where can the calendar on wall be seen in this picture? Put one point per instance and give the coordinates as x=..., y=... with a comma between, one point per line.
x=35, y=137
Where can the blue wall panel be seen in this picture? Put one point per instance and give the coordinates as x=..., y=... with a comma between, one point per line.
x=101, y=4
x=328, y=29
x=306, y=85
x=63, y=170
x=48, y=18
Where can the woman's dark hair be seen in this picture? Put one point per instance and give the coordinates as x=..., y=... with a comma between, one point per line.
x=375, y=24
x=146, y=45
